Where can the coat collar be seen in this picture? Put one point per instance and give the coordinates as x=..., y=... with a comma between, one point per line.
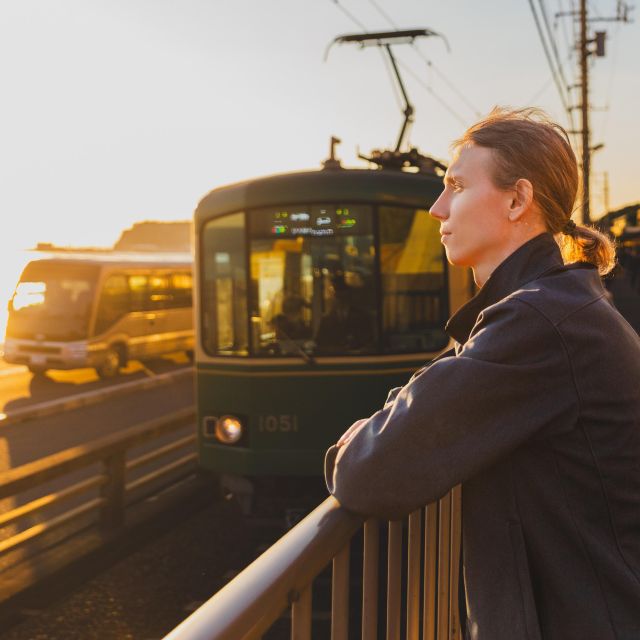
x=530, y=261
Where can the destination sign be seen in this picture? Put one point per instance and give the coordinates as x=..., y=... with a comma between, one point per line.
x=311, y=221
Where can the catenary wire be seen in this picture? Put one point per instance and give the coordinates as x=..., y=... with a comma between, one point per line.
x=556, y=55
x=404, y=66
x=428, y=62
x=549, y=60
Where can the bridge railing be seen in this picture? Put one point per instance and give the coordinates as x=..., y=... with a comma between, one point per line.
x=419, y=587
x=91, y=485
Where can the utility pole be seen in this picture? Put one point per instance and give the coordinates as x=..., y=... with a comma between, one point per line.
x=622, y=15
x=584, y=109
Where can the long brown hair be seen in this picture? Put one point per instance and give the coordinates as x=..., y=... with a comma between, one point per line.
x=526, y=143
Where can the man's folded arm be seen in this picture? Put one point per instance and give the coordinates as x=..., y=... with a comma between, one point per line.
x=456, y=416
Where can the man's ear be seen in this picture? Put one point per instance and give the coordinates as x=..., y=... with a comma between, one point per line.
x=522, y=199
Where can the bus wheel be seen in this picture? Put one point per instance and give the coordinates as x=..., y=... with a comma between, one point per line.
x=110, y=365
x=37, y=371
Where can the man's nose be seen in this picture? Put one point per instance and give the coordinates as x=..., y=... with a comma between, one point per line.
x=440, y=208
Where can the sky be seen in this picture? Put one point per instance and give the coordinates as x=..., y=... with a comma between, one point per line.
x=116, y=111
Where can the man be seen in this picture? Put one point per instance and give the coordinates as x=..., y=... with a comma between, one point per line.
x=536, y=410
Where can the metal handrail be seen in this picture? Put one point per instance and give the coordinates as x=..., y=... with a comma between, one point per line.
x=254, y=599
x=283, y=576
x=110, y=481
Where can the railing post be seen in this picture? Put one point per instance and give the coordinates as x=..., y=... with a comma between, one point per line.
x=340, y=595
x=370, y=580
x=301, y=615
x=112, y=492
x=454, y=580
x=413, y=575
x=444, y=559
x=394, y=580
x=430, y=581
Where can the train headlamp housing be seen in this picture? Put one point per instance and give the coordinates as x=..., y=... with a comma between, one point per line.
x=228, y=429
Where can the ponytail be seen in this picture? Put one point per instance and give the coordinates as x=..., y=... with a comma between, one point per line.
x=579, y=243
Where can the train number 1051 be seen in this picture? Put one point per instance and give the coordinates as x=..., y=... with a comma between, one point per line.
x=283, y=423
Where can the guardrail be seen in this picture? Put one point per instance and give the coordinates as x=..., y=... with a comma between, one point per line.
x=283, y=576
x=99, y=500
x=51, y=407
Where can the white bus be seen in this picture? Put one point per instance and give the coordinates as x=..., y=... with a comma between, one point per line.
x=100, y=310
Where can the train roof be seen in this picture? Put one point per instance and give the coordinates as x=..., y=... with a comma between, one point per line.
x=112, y=258
x=324, y=185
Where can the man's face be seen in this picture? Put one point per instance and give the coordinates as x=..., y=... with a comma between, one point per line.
x=472, y=211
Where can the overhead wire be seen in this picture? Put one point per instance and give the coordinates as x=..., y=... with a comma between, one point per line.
x=350, y=15
x=556, y=55
x=545, y=86
x=403, y=65
x=568, y=44
x=428, y=62
x=424, y=85
x=609, y=90
x=556, y=79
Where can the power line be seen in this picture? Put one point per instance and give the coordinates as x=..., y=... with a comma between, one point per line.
x=549, y=60
x=406, y=68
x=428, y=62
x=563, y=23
x=614, y=58
x=425, y=86
x=350, y=15
x=556, y=56
x=545, y=86
x=385, y=15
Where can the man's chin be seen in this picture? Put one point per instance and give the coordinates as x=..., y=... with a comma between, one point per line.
x=456, y=258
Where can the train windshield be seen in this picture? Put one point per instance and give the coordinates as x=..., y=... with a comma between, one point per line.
x=312, y=275
x=325, y=280
x=53, y=300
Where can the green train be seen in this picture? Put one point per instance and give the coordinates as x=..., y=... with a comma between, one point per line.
x=316, y=292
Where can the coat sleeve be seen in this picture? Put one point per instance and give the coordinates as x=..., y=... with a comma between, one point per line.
x=509, y=382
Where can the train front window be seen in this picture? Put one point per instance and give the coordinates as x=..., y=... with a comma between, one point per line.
x=413, y=281
x=223, y=287
x=312, y=280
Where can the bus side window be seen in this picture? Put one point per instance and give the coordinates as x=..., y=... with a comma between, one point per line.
x=138, y=286
x=114, y=302
x=181, y=290
x=160, y=296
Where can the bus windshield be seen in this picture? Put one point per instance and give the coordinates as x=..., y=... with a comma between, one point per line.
x=323, y=279
x=52, y=301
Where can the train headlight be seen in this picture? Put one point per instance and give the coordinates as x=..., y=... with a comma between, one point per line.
x=228, y=429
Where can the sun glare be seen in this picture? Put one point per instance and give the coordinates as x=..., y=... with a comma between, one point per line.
x=29, y=294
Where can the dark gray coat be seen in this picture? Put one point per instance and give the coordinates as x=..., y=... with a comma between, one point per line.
x=537, y=414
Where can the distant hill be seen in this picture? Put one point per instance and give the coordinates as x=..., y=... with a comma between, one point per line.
x=155, y=236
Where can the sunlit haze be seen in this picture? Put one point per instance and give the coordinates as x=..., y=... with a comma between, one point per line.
x=129, y=110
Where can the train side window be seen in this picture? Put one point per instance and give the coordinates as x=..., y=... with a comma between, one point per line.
x=114, y=302
x=414, y=281
x=224, y=286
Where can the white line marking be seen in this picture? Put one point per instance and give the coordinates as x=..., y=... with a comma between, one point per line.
x=13, y=371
